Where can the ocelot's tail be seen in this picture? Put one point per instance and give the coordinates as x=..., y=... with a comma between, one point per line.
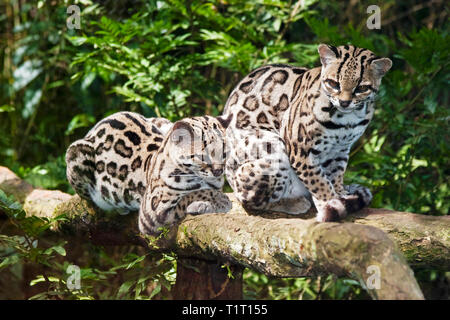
x=80, y=160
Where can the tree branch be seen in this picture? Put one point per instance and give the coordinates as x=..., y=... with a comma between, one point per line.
x=285, y=247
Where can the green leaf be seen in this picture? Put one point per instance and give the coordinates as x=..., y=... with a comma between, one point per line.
x=133, y=263
x=6, y=108
x=156, y=290
x=60, y=250
x=56, y=84
x=431, y=104
x=125, y=288
x=77, y=41
x=41, y=278
x=10, y=260
x=31, y=99
x=26, y=73
x=79, y=121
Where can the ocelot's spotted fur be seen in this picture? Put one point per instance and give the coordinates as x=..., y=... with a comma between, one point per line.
x=190, y=167
x=293, y=128
x=127, y=158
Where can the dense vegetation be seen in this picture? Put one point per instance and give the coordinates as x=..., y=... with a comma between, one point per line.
x=180, y=58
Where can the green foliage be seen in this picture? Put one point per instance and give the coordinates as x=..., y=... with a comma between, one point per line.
x=50, y=175
x=166, y=56
x=258, y=286
x=132, y=272
x=181, y=58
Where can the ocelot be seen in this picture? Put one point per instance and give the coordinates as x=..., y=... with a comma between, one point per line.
x=292, y=130
x=127, y=162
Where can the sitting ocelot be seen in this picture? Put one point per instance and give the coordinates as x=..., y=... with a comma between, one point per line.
x=127, y=162
x=292, y=130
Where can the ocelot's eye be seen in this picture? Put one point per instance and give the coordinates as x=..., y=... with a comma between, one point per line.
x=362, y=89
x=333, y=84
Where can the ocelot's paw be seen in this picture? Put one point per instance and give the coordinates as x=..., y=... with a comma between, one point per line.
x=363, y=194
x=220, y=205
x=333, y=210
x=357, y=198
x=199, y=207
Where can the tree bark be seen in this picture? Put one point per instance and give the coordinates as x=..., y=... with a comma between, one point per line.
x=207, y=280
x=368, y=248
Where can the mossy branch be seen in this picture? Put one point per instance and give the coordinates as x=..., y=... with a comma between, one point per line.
x=285, y=247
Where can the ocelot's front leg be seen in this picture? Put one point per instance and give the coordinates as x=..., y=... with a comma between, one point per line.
x=356, y=196
x=334, y=169
x=158, y=209
x=330, y=205
x=259, y=171
x=327, y=201
x=207, y=201
x=277, y=190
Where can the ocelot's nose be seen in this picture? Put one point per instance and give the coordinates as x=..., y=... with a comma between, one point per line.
x=344, y=103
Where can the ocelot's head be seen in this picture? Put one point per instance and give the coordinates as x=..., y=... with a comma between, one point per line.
x=351, y=76
x=198, y=145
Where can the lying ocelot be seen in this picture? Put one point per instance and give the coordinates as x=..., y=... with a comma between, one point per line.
x=126, y=159
x=293, y=128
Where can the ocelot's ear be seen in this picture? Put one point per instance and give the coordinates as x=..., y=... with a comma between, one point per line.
x=380, y=66
x=327, y=54
x=225, y=122
x=182, y=133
